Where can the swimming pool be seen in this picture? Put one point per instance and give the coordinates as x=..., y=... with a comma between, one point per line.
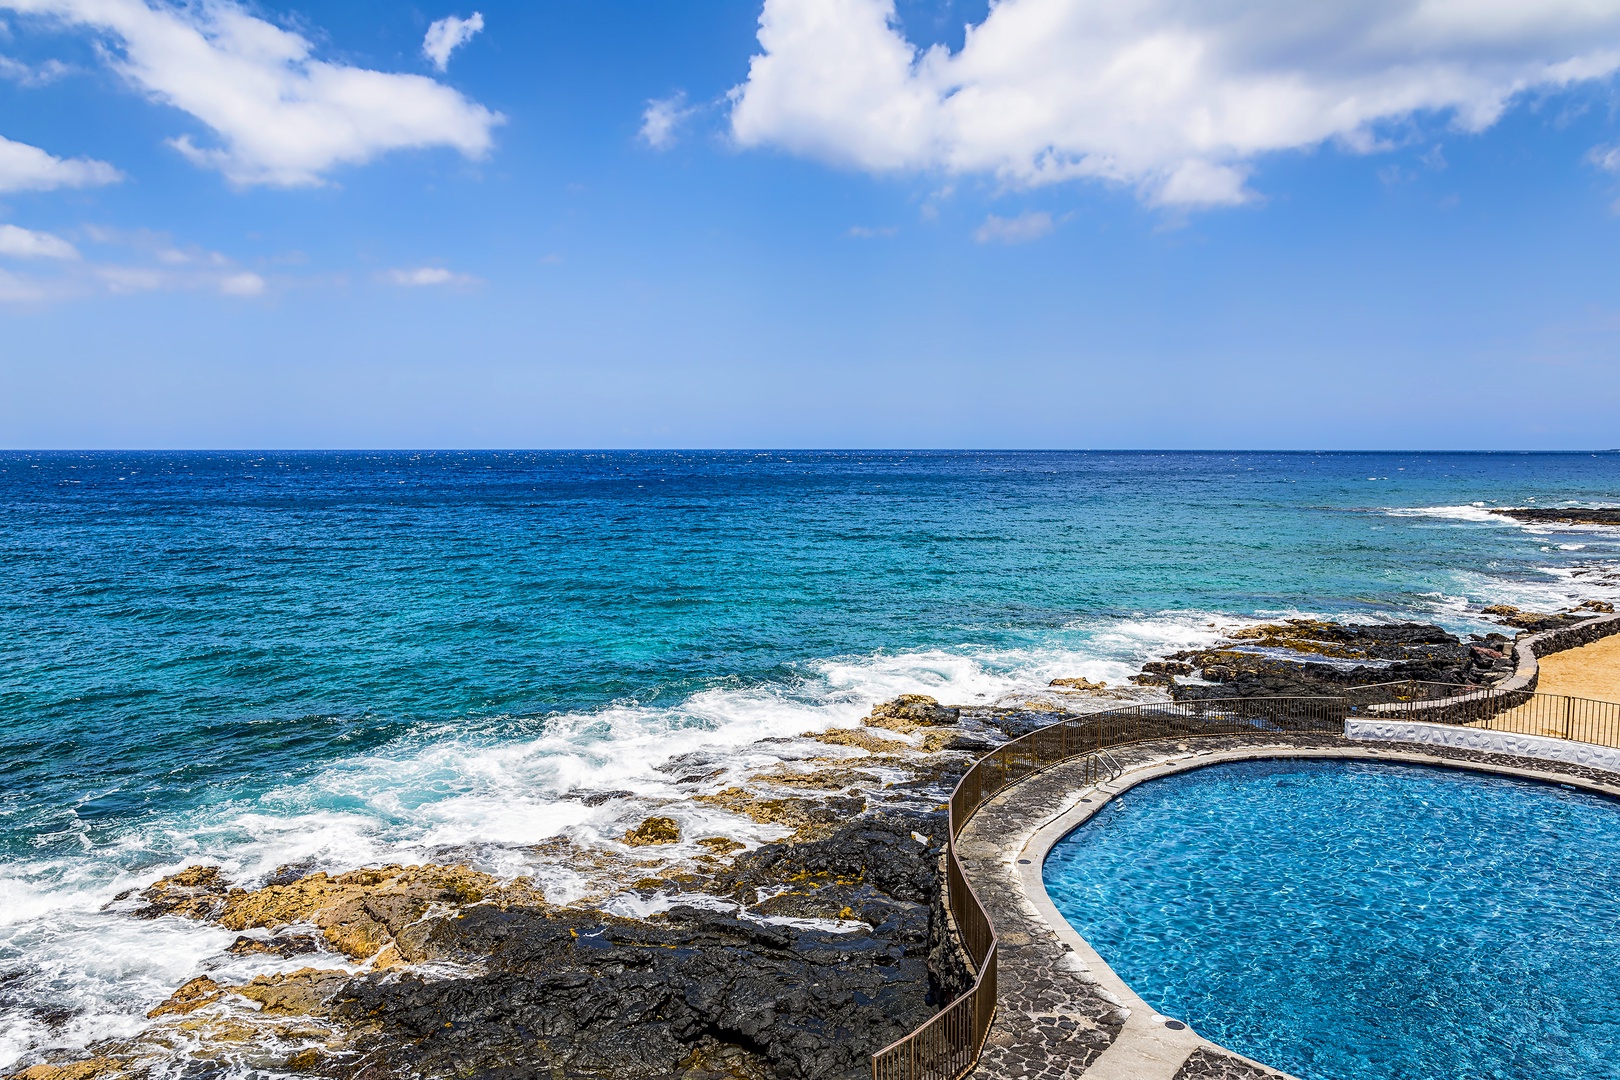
x=1343, y=920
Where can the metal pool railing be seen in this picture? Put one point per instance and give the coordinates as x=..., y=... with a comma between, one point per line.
x=949, y=1044
x=1520, y=712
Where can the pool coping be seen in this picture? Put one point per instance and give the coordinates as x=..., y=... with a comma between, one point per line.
x=1145, y=1048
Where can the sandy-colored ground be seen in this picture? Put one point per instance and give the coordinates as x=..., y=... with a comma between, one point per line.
x=1591, y=671
x=1572, y=697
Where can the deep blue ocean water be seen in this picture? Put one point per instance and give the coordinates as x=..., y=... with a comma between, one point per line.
x=255, y=659
x=1362, y=921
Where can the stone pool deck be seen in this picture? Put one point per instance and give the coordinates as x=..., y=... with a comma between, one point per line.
x=1062, y=1011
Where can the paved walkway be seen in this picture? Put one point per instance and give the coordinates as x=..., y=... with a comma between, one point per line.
x=1062, y=1011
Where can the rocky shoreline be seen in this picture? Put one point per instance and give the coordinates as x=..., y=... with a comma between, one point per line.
x=794, y=959
x=1569, y=515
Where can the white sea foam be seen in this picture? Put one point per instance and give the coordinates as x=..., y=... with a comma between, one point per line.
x=481, y=798
x=1477, y=513
x=486, y=798
x=1480, y=513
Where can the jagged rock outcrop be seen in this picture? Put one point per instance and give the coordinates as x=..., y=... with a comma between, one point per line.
x=1568, y=515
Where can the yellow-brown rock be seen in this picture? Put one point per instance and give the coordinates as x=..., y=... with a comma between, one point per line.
x=863, y=740
x=302, y=992
x=1078, y=684
x=918, y=708
x=360, y=912
x=76, y=1070
x=190, y=997
x=278, y=905
x=655, y=830
x=810, y=819
x=197, y=892
x=834, y=778
x=719, y=845
x=304, y=1060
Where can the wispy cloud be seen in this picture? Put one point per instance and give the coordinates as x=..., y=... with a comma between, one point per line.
x=281, y=116
x=20, y=289
x=447, y=35
x=1015, y=230
x=246, y=283
x=119, y=262
x=662, y=120
x=867, y=232
x=28, y=168
x=422, y=276
x=20, y=243
x=1606, y=158
x=30, y=74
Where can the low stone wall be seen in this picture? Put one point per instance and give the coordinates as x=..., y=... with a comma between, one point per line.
x=1486, y=741
x=950, y=969
x=1528, y=673
x=1551, y=641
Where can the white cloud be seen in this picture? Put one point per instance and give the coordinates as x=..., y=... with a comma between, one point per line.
x=1017, y=230
x=133, y=279
x=1606, y=158
x=428, y=275
x=868, y=232
x=243, y=284
x=281, y=117
x=23, y=243
x=28, y=168
x=141, y=261
x=17, y=289
x=1175, y=98
x=662, y=119
x=29, y=75
x=125, y=279
x=447, y=35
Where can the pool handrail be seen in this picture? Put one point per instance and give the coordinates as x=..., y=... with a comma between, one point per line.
x=948, y=1045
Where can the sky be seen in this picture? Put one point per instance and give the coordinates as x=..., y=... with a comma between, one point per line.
x=810, y=223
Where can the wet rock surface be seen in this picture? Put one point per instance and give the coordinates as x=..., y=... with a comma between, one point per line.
x=1569, y=515
x=595, y=996
x=1308, y=657
x=793, y=960
x=1536, y=621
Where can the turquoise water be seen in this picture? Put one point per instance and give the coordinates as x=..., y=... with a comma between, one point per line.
x=1358, y=921
x=256, y=659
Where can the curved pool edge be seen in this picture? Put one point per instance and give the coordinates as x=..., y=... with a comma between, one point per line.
x=1012, y=841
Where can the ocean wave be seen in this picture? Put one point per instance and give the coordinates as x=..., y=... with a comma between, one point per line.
x=81, y=972
x=1478, y=513
x=444, y=794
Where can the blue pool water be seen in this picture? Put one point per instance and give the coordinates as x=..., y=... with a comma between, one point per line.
x=349, y=658
x=1358, y=921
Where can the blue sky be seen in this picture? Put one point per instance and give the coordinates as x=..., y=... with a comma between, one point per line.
x=1393, y=224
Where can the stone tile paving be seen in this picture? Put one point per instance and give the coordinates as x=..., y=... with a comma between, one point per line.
x=1207, y=1064
x=1052, y=1020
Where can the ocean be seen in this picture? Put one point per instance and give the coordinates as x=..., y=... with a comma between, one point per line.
x=343, y=659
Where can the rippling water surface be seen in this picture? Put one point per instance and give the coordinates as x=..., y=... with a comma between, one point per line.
x=255, y=659
x=1348, y=921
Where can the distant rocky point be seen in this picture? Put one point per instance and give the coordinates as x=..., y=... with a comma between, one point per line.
x=1568, y=515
